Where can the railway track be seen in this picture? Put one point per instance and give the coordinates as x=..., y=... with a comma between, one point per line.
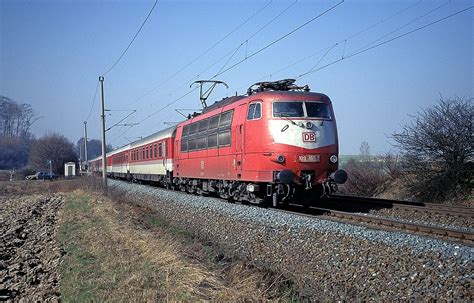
x=465, y=237
x=447, y=210
x=455, y=235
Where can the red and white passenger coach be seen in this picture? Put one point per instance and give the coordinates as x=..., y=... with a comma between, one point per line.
x=278, y=143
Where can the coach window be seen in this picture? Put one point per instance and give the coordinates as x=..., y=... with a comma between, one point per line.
x=255, y=111
x=164, y=149
x=160, y=152
x=143, y=153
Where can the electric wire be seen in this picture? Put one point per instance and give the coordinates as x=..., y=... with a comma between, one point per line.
x=387, y=41
x=281, y=38
x=154, y=113
x=383, y=20
x=205, y=51
x=133, y=39
x=343, y=40
x=404, y=25
x=93, y=102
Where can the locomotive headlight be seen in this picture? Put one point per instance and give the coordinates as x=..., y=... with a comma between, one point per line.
x=333, y=159
x=309, y=125
x=280, y=158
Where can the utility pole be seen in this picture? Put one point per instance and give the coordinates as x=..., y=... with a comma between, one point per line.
x=102, y=115
x=85, y=146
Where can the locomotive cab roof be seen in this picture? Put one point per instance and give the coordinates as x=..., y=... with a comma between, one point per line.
x=284, y=86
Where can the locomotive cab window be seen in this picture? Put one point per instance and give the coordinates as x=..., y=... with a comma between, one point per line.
x=255, y=111
x=317, y=110
x=288, y=109
x=299, y=109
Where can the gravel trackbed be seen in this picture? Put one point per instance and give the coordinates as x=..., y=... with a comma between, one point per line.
x=326, y=260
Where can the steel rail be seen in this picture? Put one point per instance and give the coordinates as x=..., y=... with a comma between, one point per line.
x=412, y=206
x=456, y=235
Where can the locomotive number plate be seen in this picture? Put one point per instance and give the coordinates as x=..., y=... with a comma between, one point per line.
x=309, y=137
x=309, y=158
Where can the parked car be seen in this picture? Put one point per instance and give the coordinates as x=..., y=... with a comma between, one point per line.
x=42, y=175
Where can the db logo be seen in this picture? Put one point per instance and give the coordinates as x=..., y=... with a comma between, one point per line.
x=309, y=137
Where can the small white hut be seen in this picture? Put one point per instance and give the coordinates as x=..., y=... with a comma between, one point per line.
x=69, y=169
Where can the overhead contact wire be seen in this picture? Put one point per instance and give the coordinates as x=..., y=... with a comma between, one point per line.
x=389, y=40
x=281, y=38
x=133, y=39
x=93, y=102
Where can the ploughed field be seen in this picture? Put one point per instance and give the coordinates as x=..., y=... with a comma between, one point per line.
x=29, y=248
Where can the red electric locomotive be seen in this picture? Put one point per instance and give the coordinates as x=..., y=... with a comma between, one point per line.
x=277, y=144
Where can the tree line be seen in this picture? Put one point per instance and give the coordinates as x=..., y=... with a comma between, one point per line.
x=20, y=150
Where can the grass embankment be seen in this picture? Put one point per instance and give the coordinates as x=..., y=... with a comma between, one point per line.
x=123, y=252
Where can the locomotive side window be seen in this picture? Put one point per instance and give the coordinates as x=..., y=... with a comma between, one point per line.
x=255, y=111
x=213, y=122
x=194, y=128
x=207, y=133
x=184, y=139
x=184, y=146
x=225, y=121
x=251, y=111
x=226, y=118
x=317, y=110
x=185, y=130
x=212, y=140
x=288, y=109
x=224, y=138
x=202, y=138
x=203, y=125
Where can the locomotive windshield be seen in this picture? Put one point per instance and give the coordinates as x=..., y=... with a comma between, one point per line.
x=301, y=109
x=317, y=110
x=288, y=109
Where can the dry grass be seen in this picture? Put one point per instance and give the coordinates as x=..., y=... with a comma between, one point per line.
x=123, y=252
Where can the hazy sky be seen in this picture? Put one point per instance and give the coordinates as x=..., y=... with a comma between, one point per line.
x=52, y=53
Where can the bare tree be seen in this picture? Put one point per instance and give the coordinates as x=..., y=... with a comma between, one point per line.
x=366, y=174
x=437, y=149
x=15, y=119
x=54, y=147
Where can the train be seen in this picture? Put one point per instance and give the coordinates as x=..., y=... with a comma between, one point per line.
x=276, y=144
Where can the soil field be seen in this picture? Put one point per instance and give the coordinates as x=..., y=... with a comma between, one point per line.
x=29, y=247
